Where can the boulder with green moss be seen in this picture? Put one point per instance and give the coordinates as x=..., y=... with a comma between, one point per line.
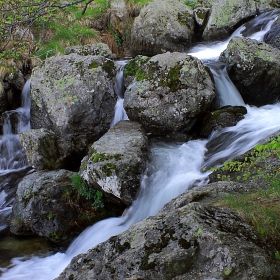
x=116, y=162
x=162, y=26
x=46, y=205
x=247, y=63
x=169, y=93
x=186, y=240
x=74, y=95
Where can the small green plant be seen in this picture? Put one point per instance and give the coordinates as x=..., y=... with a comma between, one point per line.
x=190, y=3
x=249, y=167
x=87, y=192
x=50, y=216
x=277, y=255
x=98, y=203
x=227, y=271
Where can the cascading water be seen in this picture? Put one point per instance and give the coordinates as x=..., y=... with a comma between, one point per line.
x=174, y=168
x=13, y=163
x=227, y=93
x=119, y=88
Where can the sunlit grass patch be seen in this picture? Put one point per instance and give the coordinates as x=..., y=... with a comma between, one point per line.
x=260, y=209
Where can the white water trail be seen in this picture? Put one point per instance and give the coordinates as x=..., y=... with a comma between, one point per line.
x=256, y=29
x=173, y=169
x=258, y=124
x=12, y=156
x=227, y=93
x=120, y=113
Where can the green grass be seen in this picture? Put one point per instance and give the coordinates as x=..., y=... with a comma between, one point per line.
x=70, y=28
x=260, y=209
x=191, y=4
x=88, y=193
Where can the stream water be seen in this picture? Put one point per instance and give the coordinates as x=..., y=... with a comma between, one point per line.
x=173, y=169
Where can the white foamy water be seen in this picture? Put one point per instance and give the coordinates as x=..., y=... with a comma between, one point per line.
x=255, y=30
x=227, y=93
x=120, y=113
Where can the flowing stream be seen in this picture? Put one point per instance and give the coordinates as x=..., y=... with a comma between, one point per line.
x=13, y=162
x=173, y=169
x=119, y=88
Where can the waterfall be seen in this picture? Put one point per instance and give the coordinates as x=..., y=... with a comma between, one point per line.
x=13, y=162
x=12, y=154
x=227, y=93
x=173, y=169
x=119, y=88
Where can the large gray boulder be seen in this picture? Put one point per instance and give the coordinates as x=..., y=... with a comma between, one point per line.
x=45, y=150
x=42, y=206
x=272, y=37
x=253, y=67
x=169, y=93
x=185, y=240
x=116, y=162
x=73, y=94
x=162, y=26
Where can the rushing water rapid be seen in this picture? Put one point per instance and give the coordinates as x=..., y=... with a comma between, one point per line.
x=173, y=169
x=13, y=162
x=120, y=113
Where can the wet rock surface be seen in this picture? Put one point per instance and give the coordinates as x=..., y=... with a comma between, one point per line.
x=74, y=95
x=162, y=26
x=185, y=240
x=222, y=118
x=169, y=93
x=116, y=161
x=248, y=62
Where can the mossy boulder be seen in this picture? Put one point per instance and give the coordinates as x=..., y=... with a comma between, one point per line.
x=43, y=207
x=253, y=67
x=185, y=240
x=100, y=49
x=162, y=26
x=169, y=93
x=74, y=95
x=116, y=162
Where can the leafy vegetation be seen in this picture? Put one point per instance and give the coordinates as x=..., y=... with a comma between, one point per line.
x=260, y=209
x=88, y=193
x=18, y=19
x=190, y=3
x=251, y=167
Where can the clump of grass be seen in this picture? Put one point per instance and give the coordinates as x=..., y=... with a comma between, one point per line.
x=190, y=3
x=70, y=27
x=260, y=209
x=88, y=193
